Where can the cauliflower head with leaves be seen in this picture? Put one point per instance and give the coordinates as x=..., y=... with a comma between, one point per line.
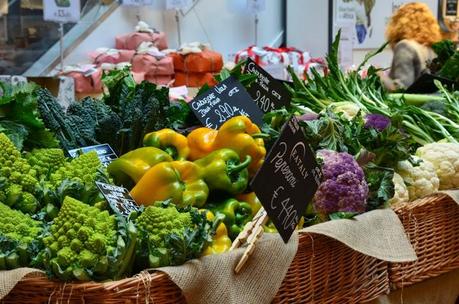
x=419, y=176
x=85, y=243
x=18, y=180
x=401, y=194
x=343, y=187
x=18, y=237
x=445, y=159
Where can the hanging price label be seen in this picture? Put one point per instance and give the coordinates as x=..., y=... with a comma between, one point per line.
x=177, y=4
x=62, y=11
x=137, y=2
x=256, y=6
x=288, y=179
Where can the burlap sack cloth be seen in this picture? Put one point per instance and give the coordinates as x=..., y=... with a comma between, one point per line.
x=211, y=279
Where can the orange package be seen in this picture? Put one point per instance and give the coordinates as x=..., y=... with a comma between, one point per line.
x=203, y=62
x=193, y=80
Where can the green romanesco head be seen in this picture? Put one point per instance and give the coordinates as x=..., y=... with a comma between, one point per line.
x=19, y=178
x=18, y=226
x=45, y=161
x=157, y=221
x=83, y=168
x=18, y=232
x=80, y=237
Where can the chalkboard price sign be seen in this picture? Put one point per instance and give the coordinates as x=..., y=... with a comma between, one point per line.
x=288, y=179
x=118, y=198
x=225, y=100
x=269, y=93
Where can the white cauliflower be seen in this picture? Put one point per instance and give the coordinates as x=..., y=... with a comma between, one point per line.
x=400, y=191
x=445, y=159
x=348, y=109
x=421, y=180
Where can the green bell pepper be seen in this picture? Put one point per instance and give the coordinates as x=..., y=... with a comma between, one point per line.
x=223, y=171
x=235, y=214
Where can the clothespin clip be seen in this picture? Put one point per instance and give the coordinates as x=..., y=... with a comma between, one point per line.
x=251, y=233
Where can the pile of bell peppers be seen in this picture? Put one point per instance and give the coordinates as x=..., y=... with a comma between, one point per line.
x=208, y=169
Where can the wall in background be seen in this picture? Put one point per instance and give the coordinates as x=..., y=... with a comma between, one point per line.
x=307, y=29
x=219, y=23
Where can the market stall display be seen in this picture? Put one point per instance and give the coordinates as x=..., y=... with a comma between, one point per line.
x=376, y=150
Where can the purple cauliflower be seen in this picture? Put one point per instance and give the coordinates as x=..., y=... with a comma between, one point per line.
x=377, y=121
x=343, y=188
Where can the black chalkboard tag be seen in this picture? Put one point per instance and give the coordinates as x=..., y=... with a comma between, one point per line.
x=104, y=152
x=268, y=93
x=288, y=179
x=118, y=198
x=225, y=100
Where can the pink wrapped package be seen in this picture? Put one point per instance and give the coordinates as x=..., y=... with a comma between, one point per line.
x=160, y=79
x=132, y=40
x=88, y=78
x=111, y=56
x=152, y=65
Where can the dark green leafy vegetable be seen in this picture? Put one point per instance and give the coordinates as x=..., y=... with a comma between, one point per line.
x=380, y=185
x=20, y=119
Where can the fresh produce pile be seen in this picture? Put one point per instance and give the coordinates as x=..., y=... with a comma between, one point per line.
x=192, y=183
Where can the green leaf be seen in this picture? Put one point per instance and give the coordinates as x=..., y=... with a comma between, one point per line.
x=380, y=185
x=16, y=132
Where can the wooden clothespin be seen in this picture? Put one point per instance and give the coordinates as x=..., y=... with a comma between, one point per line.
x=251, y=233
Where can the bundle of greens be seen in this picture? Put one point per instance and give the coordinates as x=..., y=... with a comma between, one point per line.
x=143, y=108
x=87, y=122
x=368, y=94
x=20, y=119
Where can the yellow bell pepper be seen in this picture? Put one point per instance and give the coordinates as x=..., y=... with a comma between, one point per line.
x=173, y=143
x=238, y=134
x=200, y=142
x=179, y=181
x=221, y=242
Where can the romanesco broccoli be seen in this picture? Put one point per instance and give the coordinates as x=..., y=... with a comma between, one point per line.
x=45, y=161
x=76, y=179
x=85, y=243
x=170, y=236
x=18, y=180
x=18, y=232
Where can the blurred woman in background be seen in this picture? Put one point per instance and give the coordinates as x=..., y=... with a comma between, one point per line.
x=411, y=32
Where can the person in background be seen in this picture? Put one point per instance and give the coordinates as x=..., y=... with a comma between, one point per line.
x=411, y=32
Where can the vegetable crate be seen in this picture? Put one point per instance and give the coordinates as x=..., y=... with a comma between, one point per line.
x=432, y=225
x=323, y=270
